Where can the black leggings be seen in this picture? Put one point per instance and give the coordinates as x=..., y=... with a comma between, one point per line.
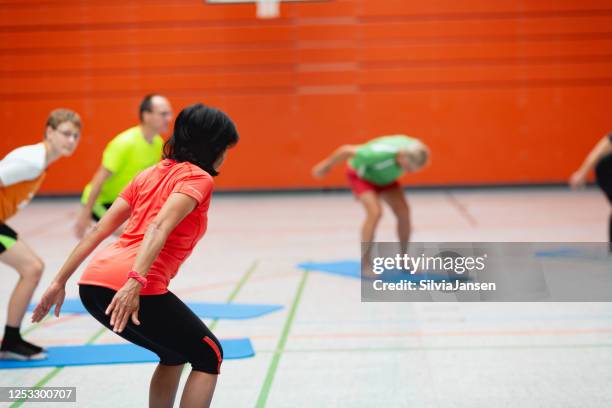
x=167, y=327
x=603, y=175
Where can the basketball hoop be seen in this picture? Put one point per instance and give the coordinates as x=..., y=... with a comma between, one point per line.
x=267, y=9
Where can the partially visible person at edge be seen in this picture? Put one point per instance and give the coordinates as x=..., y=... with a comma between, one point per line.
x=600, y=159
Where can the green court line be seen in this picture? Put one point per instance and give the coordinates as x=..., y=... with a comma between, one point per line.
x=232, y=296
x=47, y=377
x=267, y=385
x=35, y=326
x=39, y=384
x=102, y=330
x=237, y=289
x=97, y=335
x=58, y=369
x=243, y=280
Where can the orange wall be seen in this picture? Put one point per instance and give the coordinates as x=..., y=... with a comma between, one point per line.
x=503, y=91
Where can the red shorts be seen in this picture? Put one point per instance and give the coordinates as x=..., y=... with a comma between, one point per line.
x=360, y=186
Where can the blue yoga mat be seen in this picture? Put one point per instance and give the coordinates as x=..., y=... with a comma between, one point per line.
x=96, y=354
x=208, y=310
x=352, y=269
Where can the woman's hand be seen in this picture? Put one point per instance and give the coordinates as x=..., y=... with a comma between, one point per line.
x=54, y=295
x=125, y=304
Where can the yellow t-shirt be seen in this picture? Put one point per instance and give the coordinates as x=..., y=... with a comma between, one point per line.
x=125, y=156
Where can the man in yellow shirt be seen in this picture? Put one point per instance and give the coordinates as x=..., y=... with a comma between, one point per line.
x=124, y=157
x=21, y=173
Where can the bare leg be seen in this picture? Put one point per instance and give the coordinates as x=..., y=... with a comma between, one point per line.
x=164, y=384
x=30, y=269
x=373, y=210
x=198, y=390
x=397, y=201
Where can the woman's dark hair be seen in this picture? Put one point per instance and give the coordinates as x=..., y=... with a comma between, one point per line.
x=201, y=135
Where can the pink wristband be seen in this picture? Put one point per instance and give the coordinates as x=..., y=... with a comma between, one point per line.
x=139, y=279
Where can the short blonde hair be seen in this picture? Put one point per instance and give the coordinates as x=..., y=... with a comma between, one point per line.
x=419, y=156
x=59, y=116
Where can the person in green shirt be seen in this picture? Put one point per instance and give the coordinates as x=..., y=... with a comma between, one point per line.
x=373, y=172
x=124, y=157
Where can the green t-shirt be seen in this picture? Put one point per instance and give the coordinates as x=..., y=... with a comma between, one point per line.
x=125, y=156
x=376, y=161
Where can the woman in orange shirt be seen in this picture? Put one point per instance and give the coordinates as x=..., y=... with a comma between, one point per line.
x=125, y=286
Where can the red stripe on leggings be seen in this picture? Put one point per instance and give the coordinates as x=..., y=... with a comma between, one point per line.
x=212, y=344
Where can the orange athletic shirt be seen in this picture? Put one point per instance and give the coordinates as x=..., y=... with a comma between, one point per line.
x=146, y=194
x=15, y=196
x=22, y=171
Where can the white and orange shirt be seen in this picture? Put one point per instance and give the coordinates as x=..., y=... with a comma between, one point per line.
x=22, y=171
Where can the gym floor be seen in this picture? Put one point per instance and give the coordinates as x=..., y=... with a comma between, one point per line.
x=327, y=349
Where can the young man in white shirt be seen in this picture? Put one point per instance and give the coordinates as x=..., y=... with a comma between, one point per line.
x=22, y=171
